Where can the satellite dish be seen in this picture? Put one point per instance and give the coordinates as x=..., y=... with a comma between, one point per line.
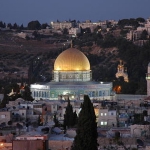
x=140, y=142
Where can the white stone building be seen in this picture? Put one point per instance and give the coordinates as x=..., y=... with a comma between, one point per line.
x=61, y=25
x=74, y=31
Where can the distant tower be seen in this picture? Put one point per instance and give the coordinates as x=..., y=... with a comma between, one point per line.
x=148, y=80
x=122, y=72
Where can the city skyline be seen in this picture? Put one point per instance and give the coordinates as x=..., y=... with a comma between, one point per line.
x=23, y=12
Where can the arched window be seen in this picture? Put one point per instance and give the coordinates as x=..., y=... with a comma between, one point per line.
x=93, y=93
x=100, y=93
x=48, y=94
x=43, y=94
x=39, y=93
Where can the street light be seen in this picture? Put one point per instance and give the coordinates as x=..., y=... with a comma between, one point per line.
x=1, y=144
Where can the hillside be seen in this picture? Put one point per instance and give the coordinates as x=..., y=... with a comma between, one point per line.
x=20, y=57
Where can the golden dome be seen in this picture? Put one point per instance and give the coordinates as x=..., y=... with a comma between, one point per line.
x=71, y=60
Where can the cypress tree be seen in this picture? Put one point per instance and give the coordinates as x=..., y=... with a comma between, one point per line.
x=69, y=116
x=86, y=138
x=56, y=121
x=75, y=118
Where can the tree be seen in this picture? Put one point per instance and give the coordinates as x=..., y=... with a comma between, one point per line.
x=70, y=117
x=75, y=118
x=36, y=35
x=27, y=94
x=65, y=31
x=56, y=120
x=21, y=27
x=15, y=26
x=9, y=25
x=86, y=137
x=4, y=101
x=144, y=35
x=2, y=25
x=10, y=123
x=140, y=19
x=34, y=25
x=44, y=25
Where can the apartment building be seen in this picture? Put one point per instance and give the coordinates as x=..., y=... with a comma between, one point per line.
x=62, y=25
x=107, y=117
x=74, y=31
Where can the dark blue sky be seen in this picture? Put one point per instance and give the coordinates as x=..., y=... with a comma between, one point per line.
x=24, y=11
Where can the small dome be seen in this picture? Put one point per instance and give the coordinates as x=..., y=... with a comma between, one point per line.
x=71, y=60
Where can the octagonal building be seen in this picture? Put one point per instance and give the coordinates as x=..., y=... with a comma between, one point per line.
x=72, y=78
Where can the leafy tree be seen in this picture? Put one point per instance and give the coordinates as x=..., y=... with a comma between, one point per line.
x=124, y=32
x=144, y=35
x=10, y=122
x=87, y=30
x=34, y=25
x=138, y=118
x=44, y=25
x=86, y=137
x=27, y=94
x=109, y=41
x=36, y=35
x=140, y=19
x=128, y=22
x=65, y=31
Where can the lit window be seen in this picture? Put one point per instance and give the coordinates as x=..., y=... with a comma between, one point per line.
x=105, y=123
x=101, y=114
x=105, y=114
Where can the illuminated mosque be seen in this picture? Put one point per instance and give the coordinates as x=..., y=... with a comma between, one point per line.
x=72, y=77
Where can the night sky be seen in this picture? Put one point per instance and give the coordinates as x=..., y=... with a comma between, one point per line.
x=24, y=11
